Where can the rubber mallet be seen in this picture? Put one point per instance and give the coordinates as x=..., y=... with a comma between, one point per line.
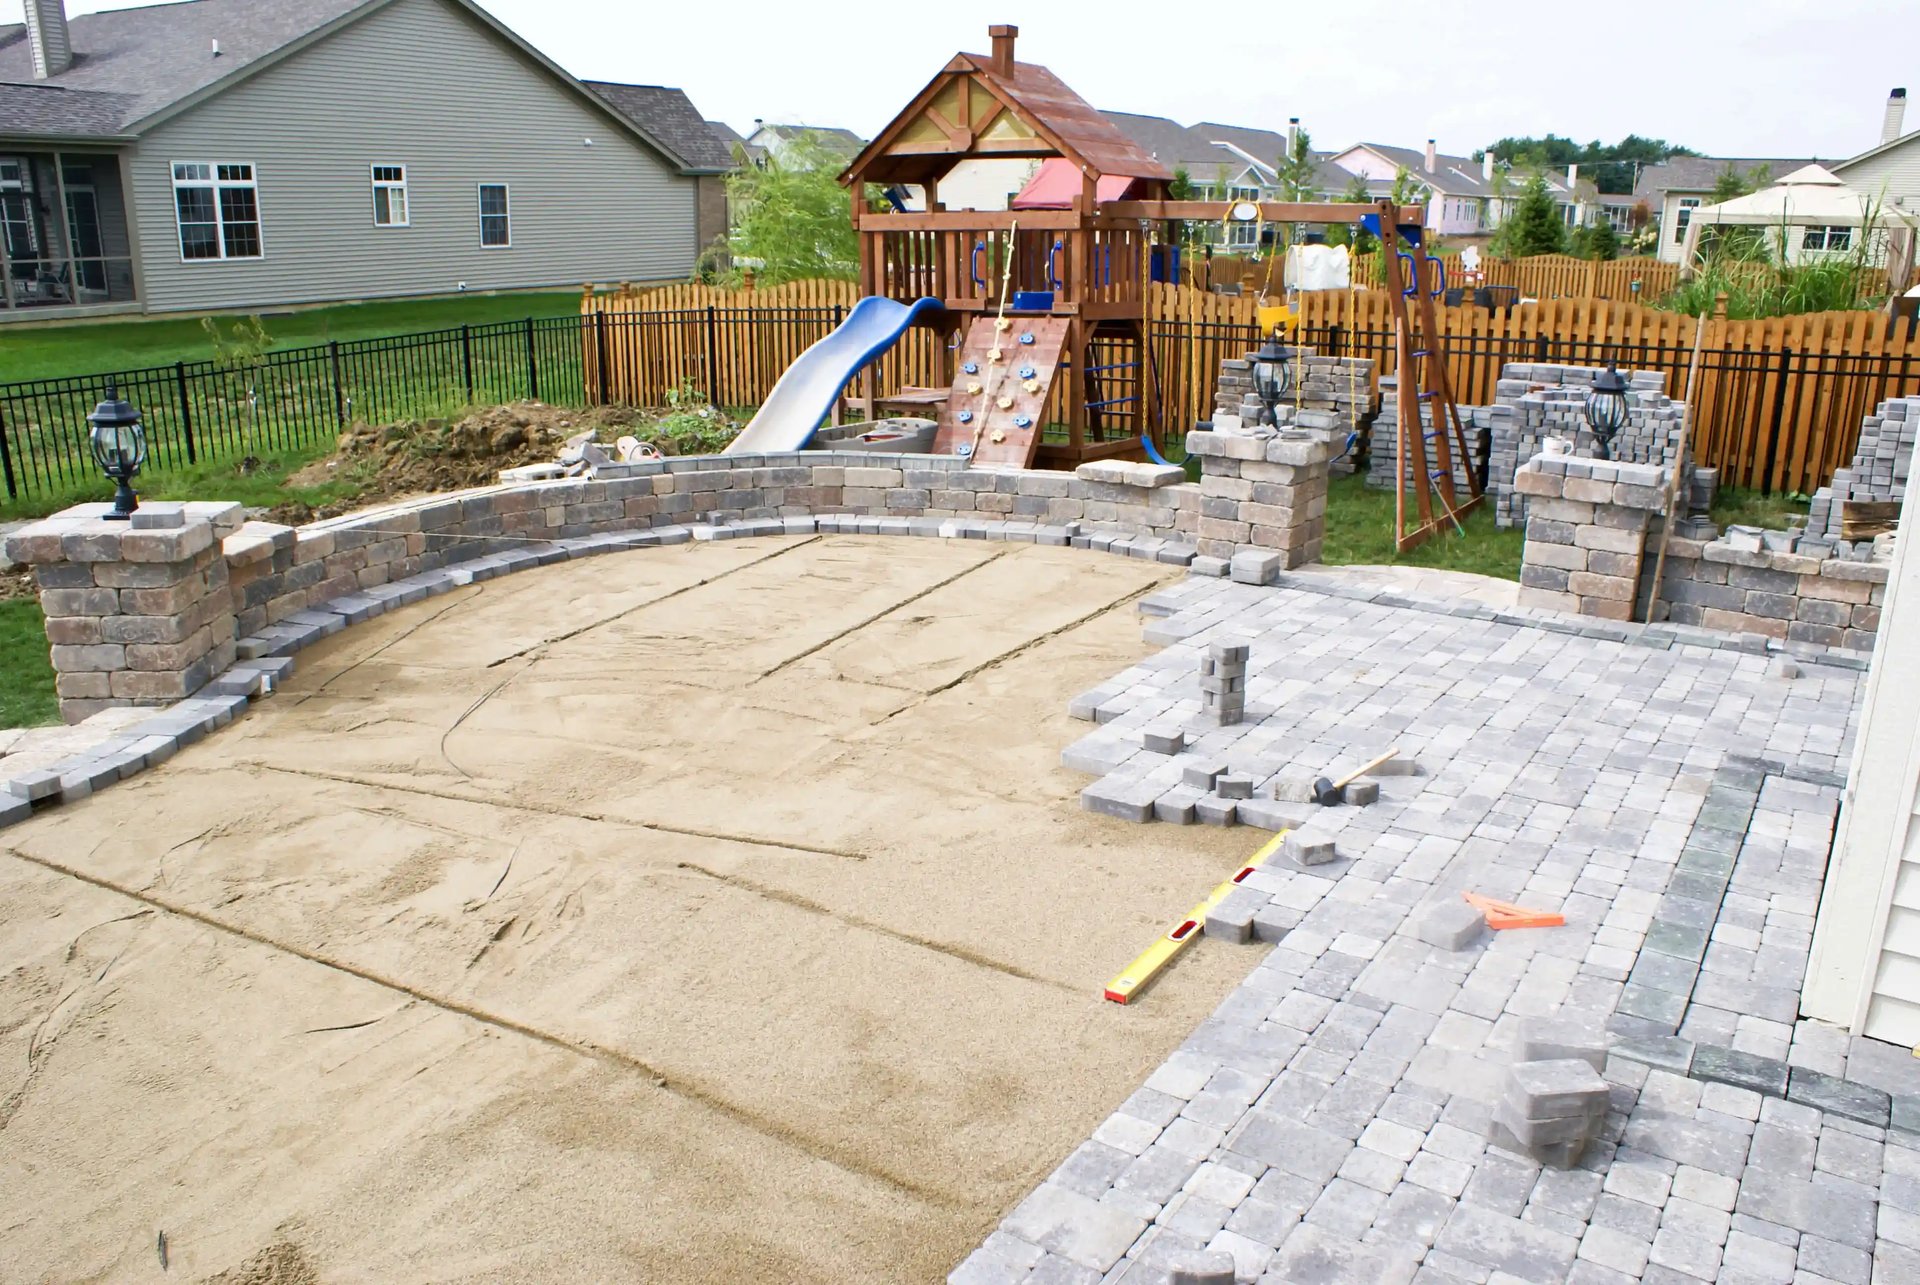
x=1327, y=793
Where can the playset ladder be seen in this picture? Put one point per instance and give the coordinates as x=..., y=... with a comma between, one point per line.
x=1421, y=360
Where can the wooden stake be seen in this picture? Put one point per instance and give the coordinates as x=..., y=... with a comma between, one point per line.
x=1679, y=460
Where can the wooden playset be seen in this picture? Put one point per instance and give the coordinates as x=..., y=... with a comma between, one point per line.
x=1043, y=304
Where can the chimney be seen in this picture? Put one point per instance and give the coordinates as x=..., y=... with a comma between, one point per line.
x=47, y=37
x=1573, y=176
x=1486, y=166
x=1003, y=35
x=1293, y=133
x=1896, y=116
x=1433, y=162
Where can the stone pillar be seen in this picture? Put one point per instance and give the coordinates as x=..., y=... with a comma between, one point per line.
x=138, y=613
x=1586, y=533
x=1263, y=493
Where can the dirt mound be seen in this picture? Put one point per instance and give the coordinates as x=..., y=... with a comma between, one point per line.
x=414, y=457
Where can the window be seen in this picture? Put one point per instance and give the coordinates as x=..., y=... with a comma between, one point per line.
x=390, y=196
x=217, y=208
x=1827, y=239
x=1688, y=204
x=17, y=233
x=496, y=230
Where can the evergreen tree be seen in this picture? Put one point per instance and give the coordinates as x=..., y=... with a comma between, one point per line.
x=1598, y=240
x=1533, y=224
x=1353, y=235
x=1298, y=173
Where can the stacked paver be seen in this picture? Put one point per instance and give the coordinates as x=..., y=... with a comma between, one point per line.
x=1586, y=533
x=1536, y=402
x=138, y=612
x=1266, y=490
x=1331, y=394
x=1882, y=462
x=1223, y=687
x=1383, y=451
x=1554, y=1099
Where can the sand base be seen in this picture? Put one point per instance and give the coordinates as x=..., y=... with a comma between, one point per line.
x=714, y=913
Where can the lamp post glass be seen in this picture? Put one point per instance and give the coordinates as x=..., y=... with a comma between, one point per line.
x=1607, y=408
x=119, y=447
x=1272, y=375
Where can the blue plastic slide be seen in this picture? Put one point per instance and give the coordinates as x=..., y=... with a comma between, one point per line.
x=804, y=394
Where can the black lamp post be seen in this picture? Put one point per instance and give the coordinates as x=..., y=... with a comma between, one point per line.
x=1607, y=408
x=1272, y=375
x=119, y=448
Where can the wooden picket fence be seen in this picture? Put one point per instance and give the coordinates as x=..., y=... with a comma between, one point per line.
x=1778, y=406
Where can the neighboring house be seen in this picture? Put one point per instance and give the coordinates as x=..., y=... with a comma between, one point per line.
x=1677, y=187
x=241, y=154
x=730, y=138
x=769, y=141
x=1466, y=197
x=1890, y=170
x=1228, y=163
x=668, y=116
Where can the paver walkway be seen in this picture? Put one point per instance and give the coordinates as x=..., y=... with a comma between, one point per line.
x=1328, y=1122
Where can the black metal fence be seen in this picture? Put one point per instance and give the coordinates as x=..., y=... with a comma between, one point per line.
x=199, y=411
x=1772, y=420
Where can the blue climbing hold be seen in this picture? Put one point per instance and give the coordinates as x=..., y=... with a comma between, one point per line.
x=972, y=368
x=1026, y=372
x=1021, y=421
x=1027, y=337
x=966, y=417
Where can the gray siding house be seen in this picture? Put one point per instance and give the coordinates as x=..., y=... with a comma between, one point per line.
x=225, y=154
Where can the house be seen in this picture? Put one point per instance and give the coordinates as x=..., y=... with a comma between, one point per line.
x=771, y=140
x=1675, y=188
x=1228, y=163
x=669, y=116
x=1467, y=197
x=1889, y=171
x=242, y=154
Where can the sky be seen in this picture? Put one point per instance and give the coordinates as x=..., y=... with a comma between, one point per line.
x=1725, y=77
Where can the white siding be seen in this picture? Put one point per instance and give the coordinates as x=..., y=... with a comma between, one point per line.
x=422, y=84
x=1865, y=970
x=1893, y=175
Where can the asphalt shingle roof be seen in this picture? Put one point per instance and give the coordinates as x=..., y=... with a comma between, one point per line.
x=153, y=57
x=668, y=117
x=1700, y=173
x=55, y=112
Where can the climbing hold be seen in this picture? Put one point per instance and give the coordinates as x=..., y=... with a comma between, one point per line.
x=1026, y=337
x=1022, y=421
x=973, y=388
x=966, y=417
x=1026, y=372
x=994, y=355
x=963, y=450
x=1005, y=403
x=971, y=368
x=998, y=437
x=1032, y=385
x=1001, y=323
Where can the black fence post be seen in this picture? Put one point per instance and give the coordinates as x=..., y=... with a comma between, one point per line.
x=186, y=410
x=533, y=365
x=466, y=358
x=1540, y=348
x=600, y=348
x=6, y=461
x=713, y=357
x=339, y=388
x=1770, y=460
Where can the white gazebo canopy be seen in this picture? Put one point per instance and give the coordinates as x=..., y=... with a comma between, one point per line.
x=1809, y=197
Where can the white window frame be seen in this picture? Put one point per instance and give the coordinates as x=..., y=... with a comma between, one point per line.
x=1683, y=215
x=1826, y=234
x=481, y=216
x=215, y=182
x=390, y=185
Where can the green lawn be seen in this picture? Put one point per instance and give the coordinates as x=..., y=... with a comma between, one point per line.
x=1738, y=506
x=26, y=676
x=210, y=480
x=1360, y=531
x=46, y=351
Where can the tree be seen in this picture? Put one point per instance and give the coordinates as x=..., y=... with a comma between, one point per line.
x=1612, y=167
x=1597, y=240
x=1533, y=226
x=1357, y=238
x=1181, y=188
x=1298, y=175
x=793, y=218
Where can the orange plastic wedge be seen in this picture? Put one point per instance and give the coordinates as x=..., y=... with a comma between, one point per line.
x=1504, y=914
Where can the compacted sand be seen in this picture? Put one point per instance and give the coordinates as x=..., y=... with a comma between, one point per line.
x=714, y=913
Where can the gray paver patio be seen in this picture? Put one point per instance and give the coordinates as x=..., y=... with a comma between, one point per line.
x=1329, y=1122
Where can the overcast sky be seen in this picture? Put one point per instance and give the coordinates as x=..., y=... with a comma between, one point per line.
x=1726, y=77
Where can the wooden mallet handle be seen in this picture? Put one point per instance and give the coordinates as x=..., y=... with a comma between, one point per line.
x=1365, y=768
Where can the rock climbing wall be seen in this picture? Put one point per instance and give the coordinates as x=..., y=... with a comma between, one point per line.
x=1000, y=385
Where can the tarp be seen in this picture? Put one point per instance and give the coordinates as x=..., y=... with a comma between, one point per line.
x=1318, y=267
x=1056, y=185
